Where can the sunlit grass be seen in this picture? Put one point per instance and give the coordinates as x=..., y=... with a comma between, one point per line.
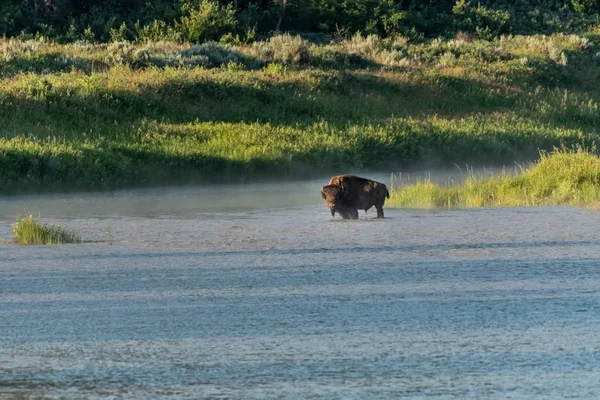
x=91, y=116
x=558, y=178
x=26, y=230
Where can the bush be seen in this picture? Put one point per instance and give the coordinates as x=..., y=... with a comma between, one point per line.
x=120, y=53
x=275, y=69
x=169, y=54
x=155, y=32
x=484, y=21
x=366, y=46
x=208, y=21
x=119, y=35
x=200, y=20
x=285, y=49
x=215, y=54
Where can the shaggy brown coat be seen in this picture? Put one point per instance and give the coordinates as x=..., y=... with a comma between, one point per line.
x=346, y=194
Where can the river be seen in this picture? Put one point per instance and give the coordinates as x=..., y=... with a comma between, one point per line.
x=256, y=292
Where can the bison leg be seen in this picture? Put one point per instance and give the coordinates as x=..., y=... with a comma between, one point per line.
x=379, y=212
x=354, y=213
x=344, y=214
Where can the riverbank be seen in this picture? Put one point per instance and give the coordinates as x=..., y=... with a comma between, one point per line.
x=559, y=178
x=84, y=116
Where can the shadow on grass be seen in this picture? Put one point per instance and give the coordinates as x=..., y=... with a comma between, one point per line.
x=113, y=166
x=57, y=62
x=48, y=63
x=337, y=98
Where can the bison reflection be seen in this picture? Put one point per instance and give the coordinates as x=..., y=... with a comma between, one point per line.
x=346, y=194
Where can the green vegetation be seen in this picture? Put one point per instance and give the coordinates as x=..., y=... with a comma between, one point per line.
x=105, y=94
x=244, y=20
x=104, y=116
x=558, y=178
x=29, y=231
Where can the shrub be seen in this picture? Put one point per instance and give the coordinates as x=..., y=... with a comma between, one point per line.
x=168, y=54
x=233, y=66
x=214, y=53
x=9, y=48
x=328, y=56
x=286, y=49
x=119, y=35
x=89, y=35
x=120, y=53
x=275, y=69
x=447, y=60
x=290, y=49
x=366, y=50
x=367, y=46
x=154, y=32
x=486, y=22
x=208, y=21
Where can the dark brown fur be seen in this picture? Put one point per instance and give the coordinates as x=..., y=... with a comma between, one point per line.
x=335, y=196
x=347, y=194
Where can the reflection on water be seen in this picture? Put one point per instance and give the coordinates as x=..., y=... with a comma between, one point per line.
x=256, y=292
x=165, y=201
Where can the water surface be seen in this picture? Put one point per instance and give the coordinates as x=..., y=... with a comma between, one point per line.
x=255, y=292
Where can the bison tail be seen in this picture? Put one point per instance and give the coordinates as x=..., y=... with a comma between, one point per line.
x=387, y=193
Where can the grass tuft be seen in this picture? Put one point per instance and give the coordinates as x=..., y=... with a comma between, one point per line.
x=562, y=177
x=29, y=231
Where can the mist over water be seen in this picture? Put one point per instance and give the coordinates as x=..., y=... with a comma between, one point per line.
x=255, y=291
x=195, y=199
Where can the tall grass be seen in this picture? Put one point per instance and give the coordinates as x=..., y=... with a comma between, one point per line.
x=558, y=178
x=104, y=116
x=357, y=51
x=26, y=230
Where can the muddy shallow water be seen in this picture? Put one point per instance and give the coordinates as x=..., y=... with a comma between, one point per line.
x=256, y=292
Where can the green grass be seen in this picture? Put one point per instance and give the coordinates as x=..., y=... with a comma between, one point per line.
x=83, y=116
x=558, y=178
x=29, y=231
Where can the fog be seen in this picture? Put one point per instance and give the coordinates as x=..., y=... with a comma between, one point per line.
x=178, y=200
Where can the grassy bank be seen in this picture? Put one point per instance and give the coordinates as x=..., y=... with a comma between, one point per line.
x=559, y=178
x=103, y=116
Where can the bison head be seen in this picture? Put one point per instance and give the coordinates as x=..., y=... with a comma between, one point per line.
x=334, y=196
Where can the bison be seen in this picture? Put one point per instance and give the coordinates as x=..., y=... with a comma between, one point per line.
x=346, y=194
